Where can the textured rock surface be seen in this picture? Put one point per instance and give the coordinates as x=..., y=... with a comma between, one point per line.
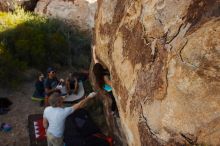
x=4, y=6
x=164, y=61
x=78, y=12
x=9, y=5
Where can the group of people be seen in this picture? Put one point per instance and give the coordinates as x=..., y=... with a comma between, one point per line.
x=49, y=91
x=44, y=87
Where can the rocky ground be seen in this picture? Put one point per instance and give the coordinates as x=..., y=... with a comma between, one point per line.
x=18, y=115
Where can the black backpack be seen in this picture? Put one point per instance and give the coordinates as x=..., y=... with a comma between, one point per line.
x=5, y=104
x=80, y=130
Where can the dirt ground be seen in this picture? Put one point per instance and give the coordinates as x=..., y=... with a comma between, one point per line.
x=17, y=117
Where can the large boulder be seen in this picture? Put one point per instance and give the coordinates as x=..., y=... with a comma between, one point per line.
x=4, y=6
x=164, y=61
x=76, y=12
x=9, y=5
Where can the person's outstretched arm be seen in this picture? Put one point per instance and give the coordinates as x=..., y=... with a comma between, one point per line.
x=82, y=102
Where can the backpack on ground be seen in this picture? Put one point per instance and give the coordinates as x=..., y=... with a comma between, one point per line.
x=80, y=130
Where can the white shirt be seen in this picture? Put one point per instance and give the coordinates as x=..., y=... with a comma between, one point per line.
x=56, y=117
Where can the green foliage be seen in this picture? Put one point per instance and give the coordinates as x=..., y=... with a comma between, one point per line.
x=29, y=40
x=10, y=68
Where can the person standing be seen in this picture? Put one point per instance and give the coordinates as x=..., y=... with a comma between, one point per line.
x=54, y=117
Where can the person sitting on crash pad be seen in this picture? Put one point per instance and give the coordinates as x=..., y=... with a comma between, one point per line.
x=39, y=93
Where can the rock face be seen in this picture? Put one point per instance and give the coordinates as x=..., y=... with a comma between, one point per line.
x=4, y=6
x=78, y=12
x=9, y=5
x=164, y=61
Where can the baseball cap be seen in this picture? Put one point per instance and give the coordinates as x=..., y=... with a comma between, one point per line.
x=50, y=69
